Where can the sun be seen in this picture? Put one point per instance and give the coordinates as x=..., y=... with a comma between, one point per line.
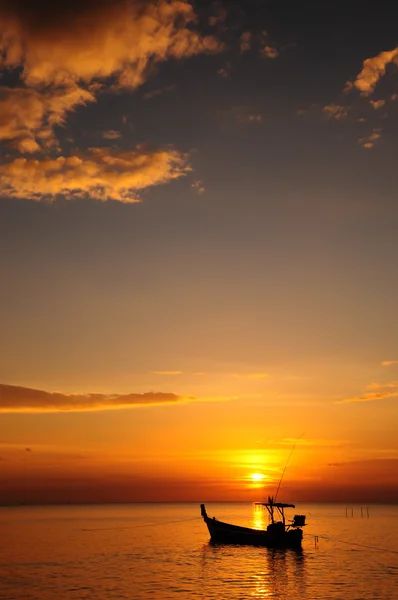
x=257, y=477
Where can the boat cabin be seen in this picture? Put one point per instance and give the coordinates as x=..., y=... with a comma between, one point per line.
x=271, y=506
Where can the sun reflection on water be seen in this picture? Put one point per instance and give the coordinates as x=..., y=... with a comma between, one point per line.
x=259, y=518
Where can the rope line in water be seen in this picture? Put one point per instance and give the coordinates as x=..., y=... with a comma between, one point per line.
x=323, y=537
x=139, y=526
x=331, y=539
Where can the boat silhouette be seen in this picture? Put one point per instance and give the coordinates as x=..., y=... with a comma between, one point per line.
x=279, y=533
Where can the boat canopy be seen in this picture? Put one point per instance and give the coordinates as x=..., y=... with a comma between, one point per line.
x=276, y=504
x=271, y=505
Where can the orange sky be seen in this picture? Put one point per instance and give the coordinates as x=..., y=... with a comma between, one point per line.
x=200, y=448
x=198, y=242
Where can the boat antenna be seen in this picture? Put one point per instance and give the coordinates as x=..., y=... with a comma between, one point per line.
x=287, y=462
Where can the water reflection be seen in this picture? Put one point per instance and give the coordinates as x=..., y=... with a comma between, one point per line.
x=286, y=573
x=243, y=571
x=259, y=517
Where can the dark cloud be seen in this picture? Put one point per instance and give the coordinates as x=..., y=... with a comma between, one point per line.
x=21, y=399
x=43, y=14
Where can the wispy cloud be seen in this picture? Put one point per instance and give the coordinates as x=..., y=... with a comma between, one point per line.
x=111, y=134
x=269, y=52
x=225, y=71
x=369, y=141
x=383, y=386
x=250, y=375
x=336, y=111
x=367, y=462
x=377, y=104
x=389, y=363
x=168, y=372
x=245, y=41
x=243, y=114
x=378, y=391
x=159, y=92
x=21, y=399
x=313, y=442
x=220, y=16
x=14, y=398
x=199, y=187
x=102, y=174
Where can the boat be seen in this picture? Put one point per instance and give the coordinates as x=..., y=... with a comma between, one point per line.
x=279, y=533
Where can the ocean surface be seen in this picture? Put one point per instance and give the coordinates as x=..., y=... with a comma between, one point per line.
x=162, y=551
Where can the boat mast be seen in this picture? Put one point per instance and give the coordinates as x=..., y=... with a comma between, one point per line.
x=287, y=462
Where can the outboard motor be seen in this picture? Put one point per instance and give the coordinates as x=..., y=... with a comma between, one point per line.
x=298, y=521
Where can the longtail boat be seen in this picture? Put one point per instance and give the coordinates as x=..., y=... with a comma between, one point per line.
x=278, y=534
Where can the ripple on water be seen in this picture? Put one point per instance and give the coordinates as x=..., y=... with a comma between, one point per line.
x=105, y=553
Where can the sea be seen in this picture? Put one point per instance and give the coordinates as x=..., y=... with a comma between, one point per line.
x=162, y=552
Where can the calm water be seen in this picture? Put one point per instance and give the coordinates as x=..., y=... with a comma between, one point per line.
x=162, y=552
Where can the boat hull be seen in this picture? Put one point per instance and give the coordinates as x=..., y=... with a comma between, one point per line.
x=276, y=536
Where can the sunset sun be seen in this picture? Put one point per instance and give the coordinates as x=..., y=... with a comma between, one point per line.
x=257, y=477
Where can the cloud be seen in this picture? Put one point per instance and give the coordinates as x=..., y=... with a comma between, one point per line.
x=27, y=117
x=312, y=443
x=21, y=399
x=243, y=114
x=101, y=173
x=219, y=18
x=69, y=42
x=111, y=134
x=168, y=372
x=369, y=141
x=245, y=41
x=255, y=118
x=365, y=463
x=389, y=363
x=369, y=397
x=377, y=104
x=382, y=386
x=372, y=70
x=250, y=375
x=63, y=54
x=14, y=398
x=225, y=71
x=380, y=391
x=269, y=52
x=159, y=91
x=335, y=111
x=199, y=187
x=257, y=375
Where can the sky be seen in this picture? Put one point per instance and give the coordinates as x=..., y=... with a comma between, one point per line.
x=198, y=251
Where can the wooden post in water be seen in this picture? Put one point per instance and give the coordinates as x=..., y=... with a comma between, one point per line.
x=361, y=512
x=352, y=512
x=367, y=511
